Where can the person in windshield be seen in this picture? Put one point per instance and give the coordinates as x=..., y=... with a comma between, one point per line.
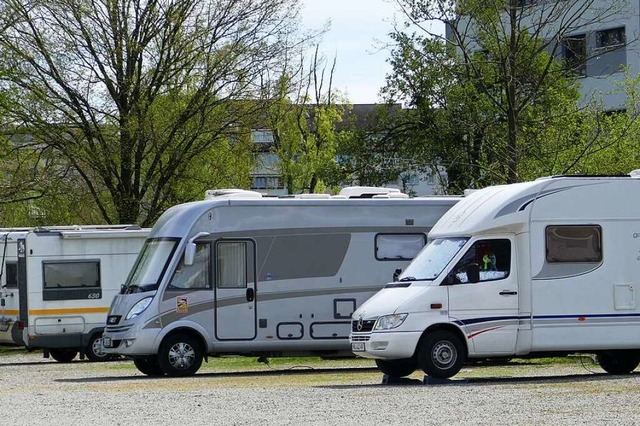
x=489, y=262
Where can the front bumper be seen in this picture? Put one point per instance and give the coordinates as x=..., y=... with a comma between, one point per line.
x=385, y=345
x=140, y=343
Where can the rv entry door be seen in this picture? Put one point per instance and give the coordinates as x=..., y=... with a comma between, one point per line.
x=483, y=295
x=235, y=290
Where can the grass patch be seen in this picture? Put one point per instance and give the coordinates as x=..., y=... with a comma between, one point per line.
x=244, y=363
x=571, y=359
x=13, y=350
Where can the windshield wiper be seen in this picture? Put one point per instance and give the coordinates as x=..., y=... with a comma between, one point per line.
x=408, y=279
x=131, y=288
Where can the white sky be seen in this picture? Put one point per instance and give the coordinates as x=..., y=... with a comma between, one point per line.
x=358, y=29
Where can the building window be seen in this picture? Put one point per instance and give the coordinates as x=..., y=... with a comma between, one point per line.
x=259, y=182
x=399, y=246
x=610, y=38
x=574, y=243
x=262, y=136
x=574, y=51
x=267, y=182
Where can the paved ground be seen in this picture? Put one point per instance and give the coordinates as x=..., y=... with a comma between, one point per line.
x=38, y=391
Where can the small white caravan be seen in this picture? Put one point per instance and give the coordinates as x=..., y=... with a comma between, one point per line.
x=239, y=273
x=549, y=267
x=57, y=284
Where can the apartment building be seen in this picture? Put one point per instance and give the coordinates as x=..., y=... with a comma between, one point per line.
x=600, y=51
x=597, y=41
x=266, y=176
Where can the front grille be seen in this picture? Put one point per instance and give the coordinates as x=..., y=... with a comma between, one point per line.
x=355, y=338
x=362, y=326
x=117, y=328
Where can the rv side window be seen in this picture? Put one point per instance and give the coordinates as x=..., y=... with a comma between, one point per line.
x=11, y=274
x=195, y=276
x=231, y=264
x=399, y=246
x=488, y=260
x=65, y=275
x=574, y=243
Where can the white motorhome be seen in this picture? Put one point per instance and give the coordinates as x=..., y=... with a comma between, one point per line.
x=549, y=267
x=240, y=273
x=57, y=284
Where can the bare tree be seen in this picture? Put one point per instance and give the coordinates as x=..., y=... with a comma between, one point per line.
x=303, y=115
x=130, y=92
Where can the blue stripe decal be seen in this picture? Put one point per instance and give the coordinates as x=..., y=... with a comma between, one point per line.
x=543, y=317
x=586, y=316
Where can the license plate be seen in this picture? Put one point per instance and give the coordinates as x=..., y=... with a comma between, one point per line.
x=357, y=347
x=106, y=342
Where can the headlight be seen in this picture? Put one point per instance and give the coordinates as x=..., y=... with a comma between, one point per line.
x=139, y=307
x=388, y=322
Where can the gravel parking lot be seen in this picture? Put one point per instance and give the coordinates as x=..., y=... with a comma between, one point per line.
x=39, y=391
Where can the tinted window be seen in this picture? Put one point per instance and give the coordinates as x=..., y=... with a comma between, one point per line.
x=398, y=246
x=11, y=274
x=610, y=38
x=574, y=243
x=491, y=258
x=231, y=264
x=81, y=274
x=151, y=264
x=195, y=276
x=575, y=53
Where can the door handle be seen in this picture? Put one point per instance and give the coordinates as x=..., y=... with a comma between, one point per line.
x=508, y=293
x=250, y=295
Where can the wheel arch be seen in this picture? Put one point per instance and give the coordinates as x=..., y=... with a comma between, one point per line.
x=188, y=331
x=183, y=326
x=445, y=327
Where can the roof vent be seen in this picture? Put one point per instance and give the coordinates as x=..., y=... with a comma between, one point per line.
x=369, y=192
x=313, y=196
x=211, y=194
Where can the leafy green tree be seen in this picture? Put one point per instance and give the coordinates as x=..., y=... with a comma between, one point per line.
x=491, y=103
x=370, y=147
x=137, y=96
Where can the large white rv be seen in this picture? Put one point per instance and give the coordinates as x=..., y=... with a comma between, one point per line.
x=549, y=267
x=57, y=284
x=242, y=274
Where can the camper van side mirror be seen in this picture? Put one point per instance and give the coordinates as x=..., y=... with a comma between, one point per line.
x=190, y=249
x=189, y=253
x=473, y=272
x=396, y=274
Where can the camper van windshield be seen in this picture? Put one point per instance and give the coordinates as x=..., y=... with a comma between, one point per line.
x=433, y=258
x=150, y=265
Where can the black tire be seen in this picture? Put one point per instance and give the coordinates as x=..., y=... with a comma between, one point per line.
x=63, y=355
x=397, y=367
x=94, y=350
x=148, y=366
x=441, y=354
x=180, y=355
x=619, y=362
